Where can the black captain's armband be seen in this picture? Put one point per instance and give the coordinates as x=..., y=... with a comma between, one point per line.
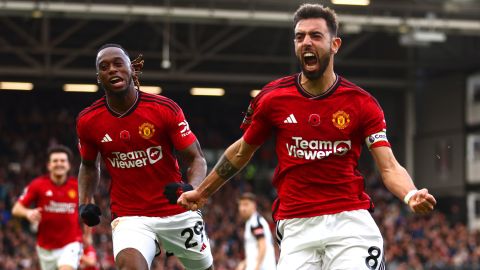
x=225, y=168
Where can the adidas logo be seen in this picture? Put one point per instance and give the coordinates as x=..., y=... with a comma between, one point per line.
x=106, y=138
x=290, y=119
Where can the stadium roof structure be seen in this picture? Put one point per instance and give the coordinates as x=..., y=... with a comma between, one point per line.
x=385, y=44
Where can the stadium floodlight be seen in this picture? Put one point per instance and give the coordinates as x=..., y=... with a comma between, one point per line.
x=422, y=38
x=22, y=86
x=151, y=89
x=72, y=87
x=351, y=2
x=254, y=92
x=200, y=91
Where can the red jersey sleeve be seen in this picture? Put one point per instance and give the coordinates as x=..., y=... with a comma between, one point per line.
x=375, y=128
x=29, y=195
x=87, y=149
x=257, y=128
x=179, y=131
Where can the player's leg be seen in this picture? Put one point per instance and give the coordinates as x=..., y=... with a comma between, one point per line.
x=300, y=244
x=131, y=258
x=134, y=244
x=47, y=258
x=184, y=235
x=358, y=244
x=69, y=256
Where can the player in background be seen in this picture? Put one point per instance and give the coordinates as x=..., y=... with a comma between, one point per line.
x=258, y=241
x=136, y=134
x=320, y=121
x=89, y=259
x=55, y=199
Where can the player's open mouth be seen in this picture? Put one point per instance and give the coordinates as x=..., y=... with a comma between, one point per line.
x=310, y=59
x=116, y=81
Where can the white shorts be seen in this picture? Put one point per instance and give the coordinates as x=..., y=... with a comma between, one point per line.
x=52, y=259
x=183, y=235
x=348, y=240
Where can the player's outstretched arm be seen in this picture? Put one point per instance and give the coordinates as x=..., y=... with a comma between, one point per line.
x=193, y=157
x=232, y=161
x=398, y=181
x=88, y=177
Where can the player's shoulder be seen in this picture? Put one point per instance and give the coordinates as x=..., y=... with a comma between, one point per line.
x=275, y=87
x=41, y=180
x=89, y=111
x=254, y=219
x=358, y=92
x=349, y=86
x=72, y=180
x=159, y=101
x=281, y=82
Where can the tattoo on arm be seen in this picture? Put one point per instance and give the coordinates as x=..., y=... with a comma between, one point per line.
x=225, y=168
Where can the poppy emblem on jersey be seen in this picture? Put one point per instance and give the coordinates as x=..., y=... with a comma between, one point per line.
x=125, y=135
x=341, y=119
x=146, y=130
x=72, y=194
x=314, y=119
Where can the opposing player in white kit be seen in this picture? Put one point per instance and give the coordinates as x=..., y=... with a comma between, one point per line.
x=258, y=242
x=320, y=121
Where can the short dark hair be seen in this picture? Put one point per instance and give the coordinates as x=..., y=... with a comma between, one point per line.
x=309, y=11
x=59, y=149
x=114, y=45
x=248, y=196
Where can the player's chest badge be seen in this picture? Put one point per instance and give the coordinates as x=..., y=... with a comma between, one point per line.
x=72, y=194
x=146, y=130
x=341, y=119
x=314, y=119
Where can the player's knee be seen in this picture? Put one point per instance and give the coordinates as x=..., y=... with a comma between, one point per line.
x=130, y=259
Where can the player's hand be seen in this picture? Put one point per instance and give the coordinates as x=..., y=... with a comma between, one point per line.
x=174, y=190
x=422, y=202
x=90, y=214
x=191, y=200
x=34, y=215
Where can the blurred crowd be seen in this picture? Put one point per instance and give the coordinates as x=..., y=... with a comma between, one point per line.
x=28, y=127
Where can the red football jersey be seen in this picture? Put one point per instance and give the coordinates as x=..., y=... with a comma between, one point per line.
x=59, y=225
x=137, y=149
x=318, y=144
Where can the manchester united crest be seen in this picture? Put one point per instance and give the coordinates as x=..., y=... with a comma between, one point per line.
x=146, y=130
x=72, y=194
x=341, y=119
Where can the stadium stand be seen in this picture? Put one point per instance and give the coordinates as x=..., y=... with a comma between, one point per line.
x=437, y=241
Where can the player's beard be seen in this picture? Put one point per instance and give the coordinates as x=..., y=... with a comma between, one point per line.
x=313, y=75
